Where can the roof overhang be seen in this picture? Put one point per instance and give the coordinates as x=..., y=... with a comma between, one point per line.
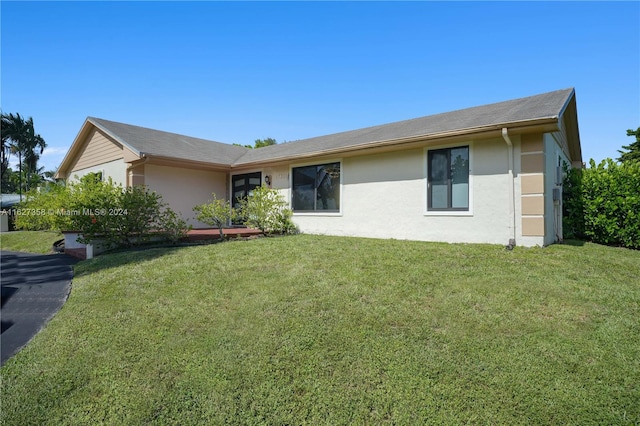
x=131, y=154
x=159, y=160
x=569, y=116
x=542, y=125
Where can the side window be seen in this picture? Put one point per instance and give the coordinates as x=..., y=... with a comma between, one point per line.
x=448, y=179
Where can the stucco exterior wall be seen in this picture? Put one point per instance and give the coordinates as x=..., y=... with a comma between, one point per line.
x=384, y=196
x=554, y=157
x=116, y=170
x=184, y=188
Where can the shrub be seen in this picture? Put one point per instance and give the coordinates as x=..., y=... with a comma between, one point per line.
x=172, y=225
x=216, y=213
x=266, y=210
x=120, y=217
x=602, y=203
x=573, y=204
x=43, y=209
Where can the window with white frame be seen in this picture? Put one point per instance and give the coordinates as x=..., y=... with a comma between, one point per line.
x=448, y=179
x=316, y=188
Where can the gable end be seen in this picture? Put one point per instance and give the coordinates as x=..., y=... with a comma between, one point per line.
x=99, y=149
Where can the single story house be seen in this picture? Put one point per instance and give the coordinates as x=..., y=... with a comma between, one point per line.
x=486, y=174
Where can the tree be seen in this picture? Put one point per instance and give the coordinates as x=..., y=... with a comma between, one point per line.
x=632, y=151
x=5, y=152
x=19, y=138
x=10, y=181
x=260, y=143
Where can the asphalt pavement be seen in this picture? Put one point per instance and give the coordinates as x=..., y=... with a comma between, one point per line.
x=34, y=288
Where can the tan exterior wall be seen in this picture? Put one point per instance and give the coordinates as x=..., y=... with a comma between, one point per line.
x=98, y=150
x=385, y=196
x=532, y=189
x=533, y=205
x=532, y=184
x=136, y=176
x=532, y=143
x=184, y=188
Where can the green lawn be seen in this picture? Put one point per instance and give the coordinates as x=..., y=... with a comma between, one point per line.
x=29, y=241
x=326, y=330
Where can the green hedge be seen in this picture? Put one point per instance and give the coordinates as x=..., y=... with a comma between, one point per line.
x=602, y=203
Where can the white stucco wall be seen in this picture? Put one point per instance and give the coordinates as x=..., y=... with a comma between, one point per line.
x=384, y=196
x=553, y=211
x=116, y=170
x=183, y=188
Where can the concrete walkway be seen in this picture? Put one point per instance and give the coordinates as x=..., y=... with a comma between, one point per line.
x=34, y=288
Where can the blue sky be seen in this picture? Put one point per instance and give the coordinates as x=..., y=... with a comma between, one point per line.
x=235, y=72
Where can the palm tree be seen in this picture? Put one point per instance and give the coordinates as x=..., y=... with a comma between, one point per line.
x=24, y=142
x=6, y=147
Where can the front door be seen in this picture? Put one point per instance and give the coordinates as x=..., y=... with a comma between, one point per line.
x=242, y=185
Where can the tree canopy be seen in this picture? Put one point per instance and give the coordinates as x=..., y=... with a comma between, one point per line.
x=632, y=151
x=259, y=143
x=19, y=138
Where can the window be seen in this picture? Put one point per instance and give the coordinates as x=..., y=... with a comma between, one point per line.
x=316, y=188
x=448, y=179
x=94, y=176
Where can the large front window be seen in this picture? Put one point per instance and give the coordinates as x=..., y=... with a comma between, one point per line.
x=316, y=188
x=448, y=179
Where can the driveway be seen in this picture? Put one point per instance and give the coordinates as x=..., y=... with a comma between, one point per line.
x=34, y=288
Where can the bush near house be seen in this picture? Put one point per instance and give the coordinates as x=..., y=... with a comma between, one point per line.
x=602, y=203
x=266, y=209
x=216, y=213
x=43, y=210
x=120, y=217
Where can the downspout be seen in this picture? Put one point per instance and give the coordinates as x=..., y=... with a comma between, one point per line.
x=512, y=191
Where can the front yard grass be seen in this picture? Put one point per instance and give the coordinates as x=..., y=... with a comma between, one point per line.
x=29, y=241
x=327, y=330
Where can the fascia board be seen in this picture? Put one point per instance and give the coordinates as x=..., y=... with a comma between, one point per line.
x=516, y=127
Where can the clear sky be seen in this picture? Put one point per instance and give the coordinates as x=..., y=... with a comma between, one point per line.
x=235, y=72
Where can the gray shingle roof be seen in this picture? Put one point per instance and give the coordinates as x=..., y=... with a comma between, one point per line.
x=165, y=144
x=155, y=142
x=546, y=105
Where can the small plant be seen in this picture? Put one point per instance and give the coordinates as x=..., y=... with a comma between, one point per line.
x=265, y=209
x=217, y=213
x=173, y=226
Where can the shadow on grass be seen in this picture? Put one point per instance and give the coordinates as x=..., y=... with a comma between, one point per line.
x=574, y=243
x=121, y=257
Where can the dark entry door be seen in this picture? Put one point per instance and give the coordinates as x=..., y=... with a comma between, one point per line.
x=242, y=185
